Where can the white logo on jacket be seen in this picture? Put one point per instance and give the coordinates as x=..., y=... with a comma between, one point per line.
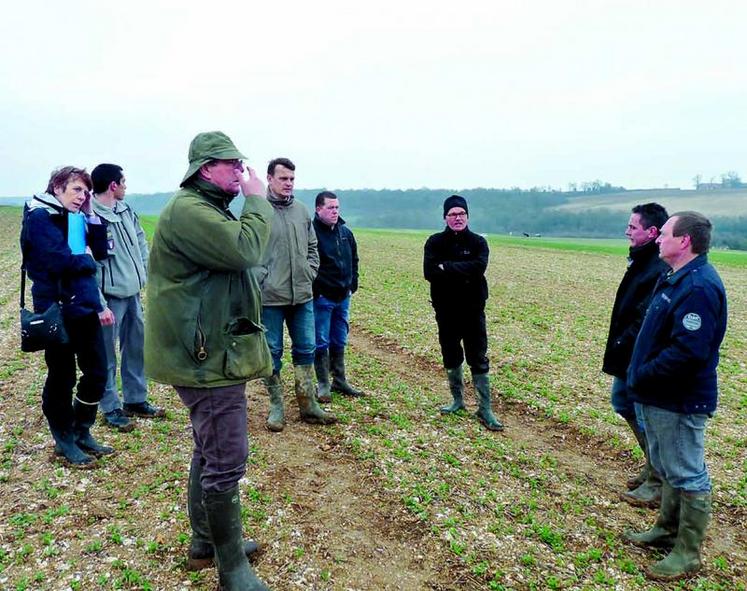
x=692, y=321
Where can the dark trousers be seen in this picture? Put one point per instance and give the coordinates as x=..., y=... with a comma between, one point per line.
x=219, y=430
x=87, y=346
x=462, y=333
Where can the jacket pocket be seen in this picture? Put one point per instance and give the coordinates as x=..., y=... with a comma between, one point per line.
x=247, y=354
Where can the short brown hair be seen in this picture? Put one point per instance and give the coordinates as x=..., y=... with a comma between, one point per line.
x=695, y=225
x=60, y=177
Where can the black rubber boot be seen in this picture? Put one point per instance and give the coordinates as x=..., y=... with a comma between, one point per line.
x=276, y=416
x=456, y=386
x=684, y=560
x=201, y=550
x=309, y=408
x=337, y=369
x=664, y=532
x=85, y=416
x=321, y=367
x=484, y=411
x=223, y=511
x=66, y=447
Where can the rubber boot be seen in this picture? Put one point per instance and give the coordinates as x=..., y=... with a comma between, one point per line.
x=664, y=532
x=648, y=493
x=684, y=559
x=456, y=385
x=201, y=550
x=276, y=417
x=484, y=411
x=321, y=367
x=337, y=370
x=85, y=417
x=65, y=446
x=310, y=410
x=640, y=436
x=223, y=511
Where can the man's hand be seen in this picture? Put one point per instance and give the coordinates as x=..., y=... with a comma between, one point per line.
x=251, y=185
x=106, y=318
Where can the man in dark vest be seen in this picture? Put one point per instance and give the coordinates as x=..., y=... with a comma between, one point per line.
x=631, y=301
x=454, y=263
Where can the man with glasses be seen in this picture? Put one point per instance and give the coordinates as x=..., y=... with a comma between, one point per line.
x=454, y=263
x=286, y=276
x=204, y=336
x=120, y=277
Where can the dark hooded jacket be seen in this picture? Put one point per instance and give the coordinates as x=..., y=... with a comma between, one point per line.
x=633, y=296
x=58, y=275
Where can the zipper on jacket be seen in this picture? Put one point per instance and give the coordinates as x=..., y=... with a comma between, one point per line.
x=201, y=351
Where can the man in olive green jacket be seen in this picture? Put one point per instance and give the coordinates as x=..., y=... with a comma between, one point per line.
x=204, y=336
x=286, y=275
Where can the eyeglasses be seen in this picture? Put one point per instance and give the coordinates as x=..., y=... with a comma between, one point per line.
x=462, y=214
x=234, y=163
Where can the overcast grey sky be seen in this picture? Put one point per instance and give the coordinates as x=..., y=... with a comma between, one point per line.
x=384, y=94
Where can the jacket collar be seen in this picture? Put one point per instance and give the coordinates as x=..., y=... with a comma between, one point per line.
x=210, y=192
x=637, y=253
x=320, y=224
x=110, y=214
x=276, y=201
x=697, y=262
x=47, y=202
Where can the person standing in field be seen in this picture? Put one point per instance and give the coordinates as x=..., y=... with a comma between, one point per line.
x=335, y=283
x=454, y=263
x=204, y=336
x=633, y=296
x=61, y=239
x=673, y=380
x=120, y=277
x=286, y=276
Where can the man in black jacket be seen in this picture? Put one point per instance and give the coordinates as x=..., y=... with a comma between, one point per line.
x=335, y=282
x=454, y=263
x=631, y=301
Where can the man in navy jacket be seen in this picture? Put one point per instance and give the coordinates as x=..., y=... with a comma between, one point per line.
x=454, y=262
x=335, y=282
x=672, y=376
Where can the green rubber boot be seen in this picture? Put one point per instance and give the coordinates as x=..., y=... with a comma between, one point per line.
x=684, y=559
x=456, y=385
x=276, y=416
x=201, y=551
x=65, y=446
x=321, y=368
x=309, y=408
x=664, y=532
x=647, y=493
x=223, y=512
x=484, y=411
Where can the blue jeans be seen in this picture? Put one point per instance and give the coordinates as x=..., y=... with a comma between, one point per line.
x=622, y=403
x=300, y=322
x=676, y=448
x=331, y=320
x=128, y=330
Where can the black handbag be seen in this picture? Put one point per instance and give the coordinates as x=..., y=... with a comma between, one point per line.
x=39, y=331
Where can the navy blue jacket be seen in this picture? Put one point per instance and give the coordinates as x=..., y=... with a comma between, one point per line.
x=58, y=275
x=461, y=283
x=677, y=351
x=338, y=261
x=631, y=301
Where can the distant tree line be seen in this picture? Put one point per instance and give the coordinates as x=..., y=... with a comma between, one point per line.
x=729, y=180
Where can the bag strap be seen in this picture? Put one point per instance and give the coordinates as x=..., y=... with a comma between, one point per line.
x=22, y=299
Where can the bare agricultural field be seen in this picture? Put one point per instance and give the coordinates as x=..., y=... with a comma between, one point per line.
x=719, y=203
x=395, y=496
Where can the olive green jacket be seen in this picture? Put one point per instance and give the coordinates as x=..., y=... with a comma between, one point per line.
x=291, y=260
x=203, y=307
